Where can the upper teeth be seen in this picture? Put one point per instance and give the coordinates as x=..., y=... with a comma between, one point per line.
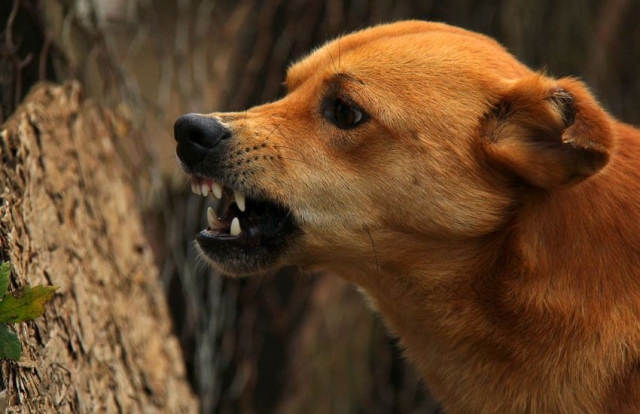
x=206, y=187
x=216, y=189
x=240, y=200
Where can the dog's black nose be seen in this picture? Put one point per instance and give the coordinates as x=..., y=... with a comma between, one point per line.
x=199, y=131
x=198, y=136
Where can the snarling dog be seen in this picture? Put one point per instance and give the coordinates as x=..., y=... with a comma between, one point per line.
x=490, y=213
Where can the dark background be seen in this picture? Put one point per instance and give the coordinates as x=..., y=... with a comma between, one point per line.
x=285, y=343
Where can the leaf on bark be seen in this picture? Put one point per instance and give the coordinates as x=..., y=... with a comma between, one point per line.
x=25, y=304
x=9, y=344
x=5, y=273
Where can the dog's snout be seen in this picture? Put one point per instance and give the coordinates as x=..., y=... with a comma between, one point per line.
x=197, y=136
x=200, y=130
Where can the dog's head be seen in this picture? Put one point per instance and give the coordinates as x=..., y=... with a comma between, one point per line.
x=408, y=130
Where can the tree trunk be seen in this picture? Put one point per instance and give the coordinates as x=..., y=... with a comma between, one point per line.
x=69, y=218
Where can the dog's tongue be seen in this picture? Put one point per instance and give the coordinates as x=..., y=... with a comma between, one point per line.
x=215, y=224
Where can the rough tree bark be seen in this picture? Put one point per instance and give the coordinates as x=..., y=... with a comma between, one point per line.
x=69, y=217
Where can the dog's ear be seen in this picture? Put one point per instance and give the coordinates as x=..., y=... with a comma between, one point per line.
x=549, y=133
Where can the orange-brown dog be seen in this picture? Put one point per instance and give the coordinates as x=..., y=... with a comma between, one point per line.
x=491, y=213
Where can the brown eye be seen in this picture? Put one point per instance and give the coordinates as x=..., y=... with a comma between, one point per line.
x=343, y=114
x=346, y=115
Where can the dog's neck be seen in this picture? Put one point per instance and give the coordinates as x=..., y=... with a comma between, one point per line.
x=435, y=289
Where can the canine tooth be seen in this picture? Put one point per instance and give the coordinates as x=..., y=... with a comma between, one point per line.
x=240, y=200
x=195, y=188
x=216, y=189
x=235, y=227
x=212, y=218
x=205, y=190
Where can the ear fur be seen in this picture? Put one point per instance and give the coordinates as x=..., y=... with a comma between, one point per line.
x=550, y=133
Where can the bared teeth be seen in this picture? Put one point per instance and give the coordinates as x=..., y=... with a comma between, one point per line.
x=240, y=200
x=216, y=189
x=213, y=220
x=235, y=229
x=206, y=186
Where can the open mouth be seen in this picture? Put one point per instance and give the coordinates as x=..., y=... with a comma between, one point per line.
x=250, y=232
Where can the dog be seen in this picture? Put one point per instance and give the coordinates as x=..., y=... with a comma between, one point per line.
x=490, y=213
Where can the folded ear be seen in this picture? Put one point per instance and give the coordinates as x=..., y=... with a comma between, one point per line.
x=548, y=132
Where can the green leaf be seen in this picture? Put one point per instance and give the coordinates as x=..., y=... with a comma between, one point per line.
x=26, y=304
x=5, y=273
x=9, y=344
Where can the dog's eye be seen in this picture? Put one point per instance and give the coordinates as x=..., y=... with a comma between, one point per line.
x=346, y=115
x=343, y=114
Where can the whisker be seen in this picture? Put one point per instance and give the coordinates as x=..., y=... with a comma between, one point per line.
x=271, y=133
x=375, y=255
x=333, y=62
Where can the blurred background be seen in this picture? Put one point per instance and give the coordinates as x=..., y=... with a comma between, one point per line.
x=286, y=342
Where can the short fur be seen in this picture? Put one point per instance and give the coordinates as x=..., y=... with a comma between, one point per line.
x=490, y=213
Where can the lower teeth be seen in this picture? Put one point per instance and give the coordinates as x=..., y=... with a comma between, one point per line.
x=235, y=227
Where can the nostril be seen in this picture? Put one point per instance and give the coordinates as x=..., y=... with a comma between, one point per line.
x=200, y=137
x=199, y=129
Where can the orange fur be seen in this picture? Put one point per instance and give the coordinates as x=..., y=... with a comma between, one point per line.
x=490, y=213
